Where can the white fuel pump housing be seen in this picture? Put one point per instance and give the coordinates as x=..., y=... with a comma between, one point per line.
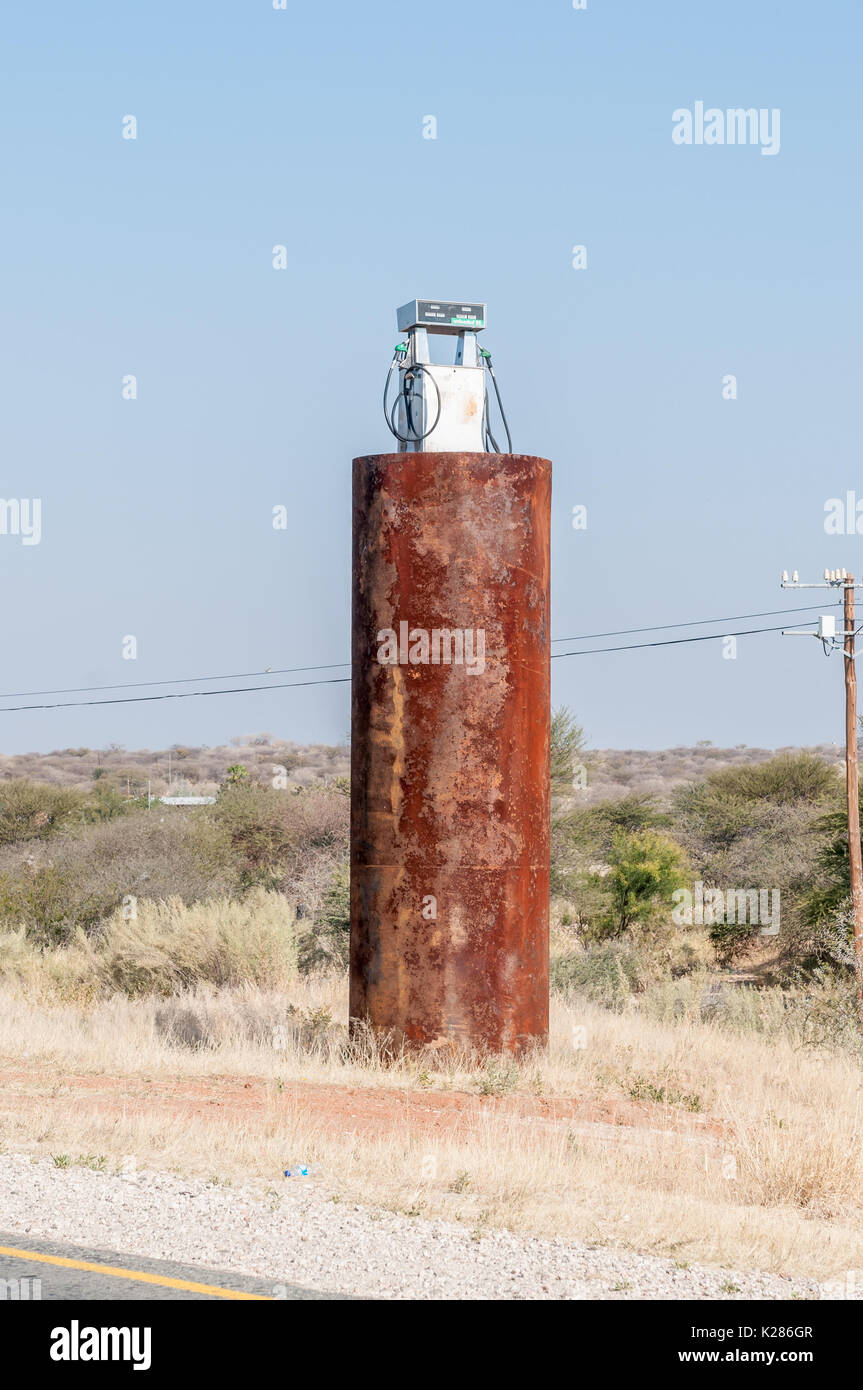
x=441, y=407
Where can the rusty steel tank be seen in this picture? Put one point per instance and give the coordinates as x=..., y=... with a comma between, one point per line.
x=450, y=749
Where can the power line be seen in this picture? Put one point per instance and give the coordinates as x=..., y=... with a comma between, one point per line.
x=671, y=641
x=178, y=680
x=343, y=680
x=695, y=622
x=176, y=695
x=336, y=665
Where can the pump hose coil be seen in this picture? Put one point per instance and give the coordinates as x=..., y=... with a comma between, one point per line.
x=412, y=374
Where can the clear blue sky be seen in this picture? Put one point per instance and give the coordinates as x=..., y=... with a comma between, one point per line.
x=303, y=127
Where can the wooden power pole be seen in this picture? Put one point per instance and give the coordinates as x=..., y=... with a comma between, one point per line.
x=839, y=579
x=852, y=789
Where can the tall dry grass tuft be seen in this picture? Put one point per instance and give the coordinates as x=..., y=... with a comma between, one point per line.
x=795, y=1162
x=169, y=947
x=48, y=976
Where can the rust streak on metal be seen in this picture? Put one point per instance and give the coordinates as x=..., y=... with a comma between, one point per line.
x=450, y=776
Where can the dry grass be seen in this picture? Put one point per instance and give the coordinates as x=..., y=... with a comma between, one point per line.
x=774, y=1183
x=733, y=1144
x=166, y=947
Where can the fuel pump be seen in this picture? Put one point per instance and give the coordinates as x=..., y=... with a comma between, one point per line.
x=442, y=408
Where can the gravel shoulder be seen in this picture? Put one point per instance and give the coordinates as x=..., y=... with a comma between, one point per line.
x=300, y=1235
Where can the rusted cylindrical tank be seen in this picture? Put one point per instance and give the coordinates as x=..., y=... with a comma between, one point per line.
x=449, y=756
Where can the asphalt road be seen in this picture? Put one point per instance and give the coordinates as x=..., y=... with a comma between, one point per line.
x=82, y=1272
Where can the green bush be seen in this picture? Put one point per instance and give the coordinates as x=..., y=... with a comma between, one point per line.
x=740, y=801
x=51, y=901
x=260, y=836
x=36, y=810
x=645, y=869
x=764, y=827
x=336, y=909
x=826, y=898
x=40, y=810
x=787, y=778
x=632, y=813
x=588, y=831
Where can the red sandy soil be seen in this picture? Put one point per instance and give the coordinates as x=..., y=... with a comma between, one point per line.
x=370, y=1111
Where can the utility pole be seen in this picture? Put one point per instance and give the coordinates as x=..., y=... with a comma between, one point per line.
x=855, y=857
x=840, y=579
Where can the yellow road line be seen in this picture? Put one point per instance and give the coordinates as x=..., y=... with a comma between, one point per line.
x=137, y=1274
